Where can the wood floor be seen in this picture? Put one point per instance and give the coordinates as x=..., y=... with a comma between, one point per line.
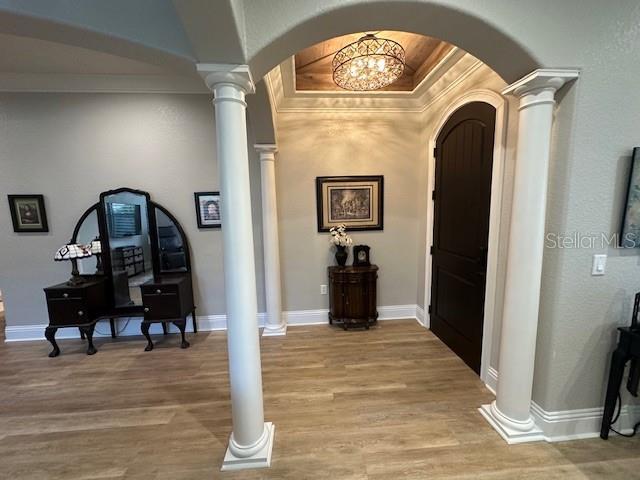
x=390, y=403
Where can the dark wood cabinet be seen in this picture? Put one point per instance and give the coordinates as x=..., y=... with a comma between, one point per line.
x=352, y=295
x=78, y=306
x=167, y=299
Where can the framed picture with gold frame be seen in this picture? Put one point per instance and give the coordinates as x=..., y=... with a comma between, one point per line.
x=355, y=201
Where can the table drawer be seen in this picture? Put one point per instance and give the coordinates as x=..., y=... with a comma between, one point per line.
x=159, y=289
x=65, y=294
x=68, y=311
x=161, y=306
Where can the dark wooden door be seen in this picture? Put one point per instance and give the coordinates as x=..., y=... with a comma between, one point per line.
x=464, y=158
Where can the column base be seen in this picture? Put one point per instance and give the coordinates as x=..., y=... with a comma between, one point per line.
x=274, y=331
x=260, y=459
x=512, y=432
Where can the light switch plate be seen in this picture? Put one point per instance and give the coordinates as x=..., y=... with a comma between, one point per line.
x=599, y=264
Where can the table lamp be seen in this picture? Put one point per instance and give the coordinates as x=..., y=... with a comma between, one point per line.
x=74, y=251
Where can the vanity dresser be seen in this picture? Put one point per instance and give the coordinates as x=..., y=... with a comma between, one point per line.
x=143, y=270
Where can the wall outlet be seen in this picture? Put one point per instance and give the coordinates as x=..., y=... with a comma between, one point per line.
x=323, y=289
x=599, y=264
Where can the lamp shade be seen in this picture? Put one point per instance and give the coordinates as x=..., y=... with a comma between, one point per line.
x=95, y=246
x=72, y=251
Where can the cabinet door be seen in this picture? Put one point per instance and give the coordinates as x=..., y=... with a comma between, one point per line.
x=336, y=292
x=356, y=297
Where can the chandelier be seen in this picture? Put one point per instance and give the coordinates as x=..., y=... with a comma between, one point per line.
x=368, y=64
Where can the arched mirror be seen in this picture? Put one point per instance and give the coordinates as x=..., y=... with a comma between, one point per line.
x=172, y=243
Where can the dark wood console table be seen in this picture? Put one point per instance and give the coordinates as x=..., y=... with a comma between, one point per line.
x=352, y=296
x=628, y=349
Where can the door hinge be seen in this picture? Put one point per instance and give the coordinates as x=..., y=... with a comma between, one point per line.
x=435, y=152
x=433, y=195
x=431, y=250
x=429, y=310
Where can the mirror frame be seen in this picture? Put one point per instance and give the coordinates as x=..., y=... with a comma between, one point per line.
x=152, y=207
x=106, y=247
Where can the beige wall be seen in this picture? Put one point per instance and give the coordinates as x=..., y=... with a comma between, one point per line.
x=71, y=147
x=328, y=144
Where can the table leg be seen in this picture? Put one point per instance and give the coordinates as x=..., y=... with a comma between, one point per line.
x=88, y=331
x=194, y=321
x=50, y=334
x=618, y=361
x=182, y=324
x=112, y=324
x=144, y=326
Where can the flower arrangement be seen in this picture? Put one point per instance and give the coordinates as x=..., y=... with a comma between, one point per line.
x=339, y=236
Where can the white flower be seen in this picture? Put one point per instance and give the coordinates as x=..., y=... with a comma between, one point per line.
x=339, y=237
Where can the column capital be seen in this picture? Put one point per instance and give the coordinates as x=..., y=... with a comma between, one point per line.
x=224, y=73
x=266, y=150
x=551, y=79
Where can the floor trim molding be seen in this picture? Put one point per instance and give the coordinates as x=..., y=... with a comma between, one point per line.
x=206, y=323
x=563, y=425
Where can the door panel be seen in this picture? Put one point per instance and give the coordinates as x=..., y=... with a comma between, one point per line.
x=464, y=159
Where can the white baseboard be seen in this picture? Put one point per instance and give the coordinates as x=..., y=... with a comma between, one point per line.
x=581, y=423
x=206, y=323
x=563, y=425
x=492, y=379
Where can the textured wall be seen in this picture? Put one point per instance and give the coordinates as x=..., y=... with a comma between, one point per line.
x=596, y=128
x=72, y=147
x=334, y=144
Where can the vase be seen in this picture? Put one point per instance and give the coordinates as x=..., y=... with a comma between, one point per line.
x=341, y=255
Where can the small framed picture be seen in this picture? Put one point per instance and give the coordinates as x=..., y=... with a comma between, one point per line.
x=208, y=209
x=356, y=202
x=28, y=213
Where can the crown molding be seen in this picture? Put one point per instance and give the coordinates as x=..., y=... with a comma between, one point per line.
x=85, y=83
x=456, y=67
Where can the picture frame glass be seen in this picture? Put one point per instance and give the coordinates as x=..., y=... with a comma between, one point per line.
x=209, y=215
x=28, y=213
x=630, y=234
x=355, y=201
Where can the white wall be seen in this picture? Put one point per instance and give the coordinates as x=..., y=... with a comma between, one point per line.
x=71, y=147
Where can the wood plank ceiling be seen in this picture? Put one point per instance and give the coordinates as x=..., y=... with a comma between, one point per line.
x=313, y=64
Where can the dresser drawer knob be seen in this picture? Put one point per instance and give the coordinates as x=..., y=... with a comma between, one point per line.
x=146, y=309
x=80, y=313
x=65, y=295
x=158, y=291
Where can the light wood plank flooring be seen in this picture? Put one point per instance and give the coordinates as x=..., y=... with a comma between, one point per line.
x=390, y=403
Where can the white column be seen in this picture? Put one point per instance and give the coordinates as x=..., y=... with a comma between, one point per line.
x=510, y=413
x=251, y=441
x=274, y=324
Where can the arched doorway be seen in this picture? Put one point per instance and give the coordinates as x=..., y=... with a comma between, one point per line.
x=462, y=197
x=490, y=320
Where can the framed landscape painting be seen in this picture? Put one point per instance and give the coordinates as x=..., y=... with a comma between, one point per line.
x=355, y=201
x=208, y=209
x=28, y=213
x=630, y=235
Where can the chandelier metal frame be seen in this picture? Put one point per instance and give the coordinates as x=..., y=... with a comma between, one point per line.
x=370, y=63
